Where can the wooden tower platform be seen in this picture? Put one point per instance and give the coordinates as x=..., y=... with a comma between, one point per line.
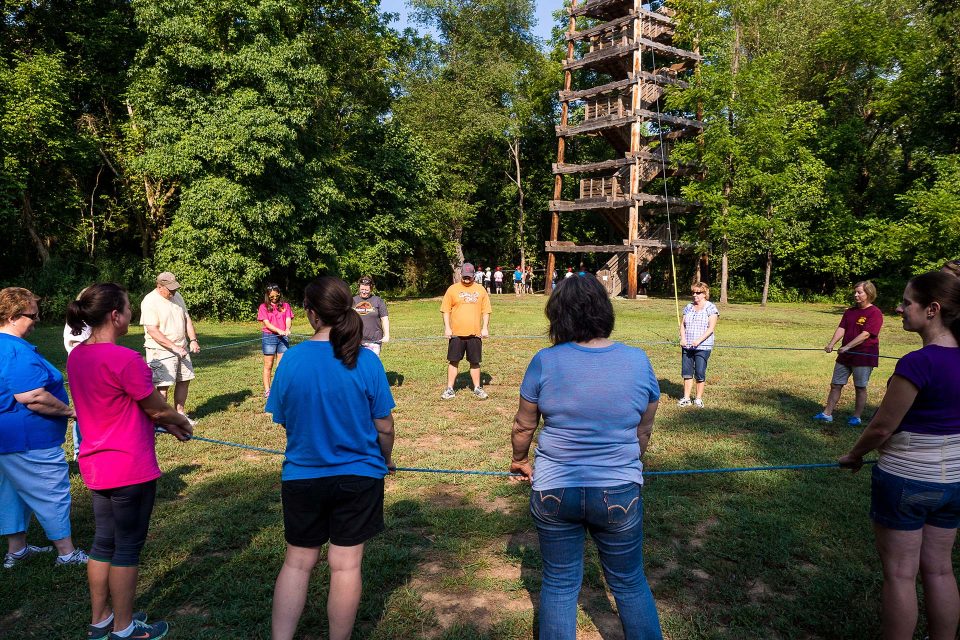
x=626, y=52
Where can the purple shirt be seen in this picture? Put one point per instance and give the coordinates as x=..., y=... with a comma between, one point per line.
x=935, y=371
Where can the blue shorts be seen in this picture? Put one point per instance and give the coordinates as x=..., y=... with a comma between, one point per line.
x=274, y=344
x=35, y=482
x=693, y=363
x=906, y=505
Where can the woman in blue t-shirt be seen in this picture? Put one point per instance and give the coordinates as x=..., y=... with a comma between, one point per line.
x=334, y=400
x=588, y=470
x=915, y=495
x=34, y=408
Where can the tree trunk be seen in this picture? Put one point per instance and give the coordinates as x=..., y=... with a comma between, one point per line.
x=766, y=277
x=28, y=222
x=456, y=263
x=514, y=147
x=724, y=270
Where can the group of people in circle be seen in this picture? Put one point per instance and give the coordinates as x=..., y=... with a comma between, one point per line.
x=332, y=397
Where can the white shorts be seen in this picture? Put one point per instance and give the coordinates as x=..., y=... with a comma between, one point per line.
x=168, y=368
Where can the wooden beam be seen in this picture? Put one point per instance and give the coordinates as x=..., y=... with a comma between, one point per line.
x=570, y=247
x=622, y=50
x=600, y=28
x=585, y=204
x=613, y=122
x=567, y=169
x=617, y=85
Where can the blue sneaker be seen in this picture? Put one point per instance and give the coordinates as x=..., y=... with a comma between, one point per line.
x=854, y=421
x=102, y=633
x=822, y=417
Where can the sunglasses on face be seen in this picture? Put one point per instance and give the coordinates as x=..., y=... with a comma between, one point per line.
x=32, y=316
x=697, y=293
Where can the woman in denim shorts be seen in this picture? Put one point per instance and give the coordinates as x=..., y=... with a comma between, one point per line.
x=696, y=342
x=276, y=317
x=915, y=496
x=584, y=409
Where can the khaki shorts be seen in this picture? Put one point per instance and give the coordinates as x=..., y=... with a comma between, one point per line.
x=842, y=373
x=168, y=368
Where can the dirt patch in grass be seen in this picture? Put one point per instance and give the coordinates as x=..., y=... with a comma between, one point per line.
x=192, y=610
x=700, y=532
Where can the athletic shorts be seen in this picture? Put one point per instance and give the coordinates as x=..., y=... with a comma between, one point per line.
x=346, y=510
x=861, y=375
x=472, y=346
x=168, y=368
x=122, y=517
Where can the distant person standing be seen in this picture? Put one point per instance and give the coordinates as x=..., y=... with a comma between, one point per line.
x=529, y=279
x=488, y=280
x=169, y=338
x=480, y=276
x=569, y=273
x=466, y=319
x=373, y=311
x=696, y=342
x=518, y=281
x=498, y=280
x=276, y=316
x=645, y=279
x=859, y=329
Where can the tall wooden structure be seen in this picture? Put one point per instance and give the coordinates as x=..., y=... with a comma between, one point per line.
x=625, y=53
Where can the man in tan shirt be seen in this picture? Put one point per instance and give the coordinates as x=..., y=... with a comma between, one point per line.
x=169, y=338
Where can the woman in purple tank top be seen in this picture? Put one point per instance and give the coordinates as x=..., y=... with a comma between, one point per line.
x=915, y=490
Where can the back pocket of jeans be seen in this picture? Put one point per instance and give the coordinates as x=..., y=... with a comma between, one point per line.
x=622, y=503
x=547, y=503
x=356, y=485
x=917, y=497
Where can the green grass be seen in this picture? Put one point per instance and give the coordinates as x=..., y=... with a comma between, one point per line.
x=759, y=555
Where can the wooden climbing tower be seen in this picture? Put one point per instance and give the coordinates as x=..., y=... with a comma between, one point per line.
x=624, y=59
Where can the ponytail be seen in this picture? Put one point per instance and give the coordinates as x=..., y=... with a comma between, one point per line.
x=94, y=305
x=331, y=300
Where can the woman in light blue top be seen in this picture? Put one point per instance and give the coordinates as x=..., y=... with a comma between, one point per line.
x=696, y=342
x=598, y=399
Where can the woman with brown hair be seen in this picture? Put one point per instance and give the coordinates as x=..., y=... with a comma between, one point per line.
x=333, y=399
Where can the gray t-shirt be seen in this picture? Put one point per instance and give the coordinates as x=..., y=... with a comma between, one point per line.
x=371, y=310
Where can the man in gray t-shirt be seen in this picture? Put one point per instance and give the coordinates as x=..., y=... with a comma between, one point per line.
x=373, y=313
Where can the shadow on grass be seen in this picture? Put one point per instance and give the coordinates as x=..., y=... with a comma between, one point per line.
x=463, y=380
x=220, y=403
x=395, y=379
x=671, y=389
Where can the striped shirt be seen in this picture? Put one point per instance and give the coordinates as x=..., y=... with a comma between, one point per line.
x=695, y=324
x=922, y=457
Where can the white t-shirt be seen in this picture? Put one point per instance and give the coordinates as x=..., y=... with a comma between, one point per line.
x=498, y=276
x=70, y=340
x=170, y=315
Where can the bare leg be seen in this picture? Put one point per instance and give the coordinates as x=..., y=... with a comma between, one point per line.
x=123, y=589
x=180, y=395
x=267, y=371
x=346, y=584
x=16, y=542
x=939, y=584
x=700, y=388
x=832, y=399
x=475, y=376
x=64, y=545
x=861, y=401
x=163, y=392
x=98, y=579
x=451, y=374
x=687, y=387
x=900, y=556
x=290, y=592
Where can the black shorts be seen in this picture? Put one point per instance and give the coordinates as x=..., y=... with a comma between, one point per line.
x=346, y=510
x=471, y=345
x=122, y=517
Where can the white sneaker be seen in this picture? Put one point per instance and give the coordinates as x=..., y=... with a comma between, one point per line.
x=10, y=560
x=698, y=402
x=79, y=556
x=480, y=393
x=448, y=394
x=683, y=402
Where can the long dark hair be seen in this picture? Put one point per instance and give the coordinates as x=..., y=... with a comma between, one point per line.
x=579, y=310
x=272, y=286
x=331, y=300
x=943, y=288
x=94, y=306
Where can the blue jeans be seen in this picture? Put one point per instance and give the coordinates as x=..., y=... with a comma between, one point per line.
x=693, y=363
x=274, y=344
x=614, y=517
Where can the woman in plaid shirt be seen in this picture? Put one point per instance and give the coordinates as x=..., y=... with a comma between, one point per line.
x=696, y=341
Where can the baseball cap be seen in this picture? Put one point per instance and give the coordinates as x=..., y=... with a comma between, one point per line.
x=467, y=270
x=168, y=280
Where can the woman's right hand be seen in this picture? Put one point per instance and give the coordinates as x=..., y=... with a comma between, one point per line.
x=852, y=462
x=524, y=468
x=828, y=348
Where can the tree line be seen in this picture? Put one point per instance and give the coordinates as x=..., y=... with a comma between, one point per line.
x=245, y=142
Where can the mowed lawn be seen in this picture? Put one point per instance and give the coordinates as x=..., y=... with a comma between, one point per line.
x=750, y=555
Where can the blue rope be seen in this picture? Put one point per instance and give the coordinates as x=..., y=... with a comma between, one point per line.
x=675, y=472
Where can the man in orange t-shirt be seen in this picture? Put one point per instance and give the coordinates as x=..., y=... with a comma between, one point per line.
x=466, y=316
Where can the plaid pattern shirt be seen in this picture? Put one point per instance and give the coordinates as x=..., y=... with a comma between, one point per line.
x=695, y=323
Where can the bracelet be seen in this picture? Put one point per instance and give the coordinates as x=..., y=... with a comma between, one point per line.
x=195, y=340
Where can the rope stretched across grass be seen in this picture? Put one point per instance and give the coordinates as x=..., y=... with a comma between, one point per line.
x=671, y=472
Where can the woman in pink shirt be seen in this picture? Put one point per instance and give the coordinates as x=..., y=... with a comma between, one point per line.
x=277, y=318
x=117, y=407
